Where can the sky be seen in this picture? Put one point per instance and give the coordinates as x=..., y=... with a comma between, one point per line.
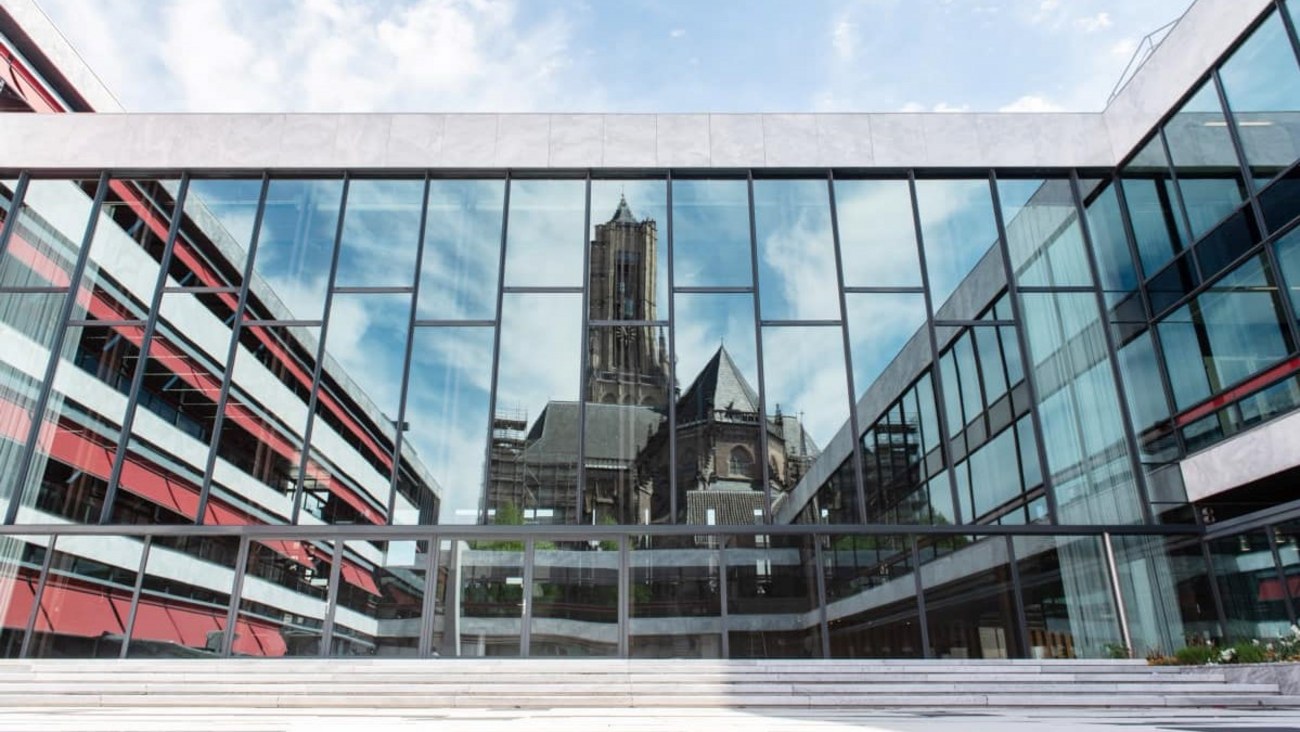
x=609, y=55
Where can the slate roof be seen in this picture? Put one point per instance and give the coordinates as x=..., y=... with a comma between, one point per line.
x=720, y=385
x=623, y=214
x=614, y=432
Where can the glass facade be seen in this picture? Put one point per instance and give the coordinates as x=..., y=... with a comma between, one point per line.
x=654, y=413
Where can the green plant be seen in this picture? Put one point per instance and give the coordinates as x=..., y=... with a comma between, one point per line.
x=1250, y=652
x=1116, y=650
x=1197, y=655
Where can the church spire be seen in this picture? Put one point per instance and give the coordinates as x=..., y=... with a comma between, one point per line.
x=623, y=214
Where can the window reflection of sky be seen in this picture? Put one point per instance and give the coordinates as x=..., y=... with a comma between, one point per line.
x=367, y=336
x=229, y=203
x=877, y=233
x=544, y=241
x=803, y=368
x=711, y=233
x=796, y=250
x=462, y=250
x=879, y=326
x=540, y=350
x=707, y=321
x=296, y=243
x=958, y=228
x=381, y=232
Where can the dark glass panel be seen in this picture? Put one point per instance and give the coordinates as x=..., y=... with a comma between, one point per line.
x=1254, y=601
x=1153, y=207
x=1172, y=284
x=675, y=598
x=1109, y=242
x=1066, y=589
x=575, y=599
x=489, y=620
x=21, y=558
x=871, y=597
x=969, y=601
x=772, y=597
x=1227, y=243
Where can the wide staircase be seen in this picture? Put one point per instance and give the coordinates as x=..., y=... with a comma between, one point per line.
x=560, y=683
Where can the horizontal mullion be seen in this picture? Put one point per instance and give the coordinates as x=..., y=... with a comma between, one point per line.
x=435, y=323
x=799, y=323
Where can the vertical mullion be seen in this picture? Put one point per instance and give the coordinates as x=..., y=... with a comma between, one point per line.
x=758, y=343
x=332, y=598
x=236, y=590
x=232, y=352
x=936, y=375
x=52, y=363
x=146, y=343
x=1112, y=352
x=28, y=629
x=1212, y=578
x=1018, y=598
x=1026, y=357
x=820, y=577
x=921, y=617
x=1269, y=536
x=526, y=601
x=672, y=370
x=400, y=426
x=723, y=595
x=624, y=597
x=496, y=355
x=15, y=204
x=858, y=479
x=129, y=630
x=319, y=370
x=428, y=605
x=1290, y=28
x=584, y=358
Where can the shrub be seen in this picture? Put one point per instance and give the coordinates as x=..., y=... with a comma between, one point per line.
x=1197, y=655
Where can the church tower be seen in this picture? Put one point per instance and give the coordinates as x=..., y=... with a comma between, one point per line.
x=628, y=364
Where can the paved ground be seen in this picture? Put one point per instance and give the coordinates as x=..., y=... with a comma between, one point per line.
x=643, y=720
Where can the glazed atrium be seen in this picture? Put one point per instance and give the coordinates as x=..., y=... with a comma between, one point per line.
x=688, y=385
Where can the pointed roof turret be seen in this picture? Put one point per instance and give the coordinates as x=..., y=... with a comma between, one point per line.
x=623, y=214
x=720, y=385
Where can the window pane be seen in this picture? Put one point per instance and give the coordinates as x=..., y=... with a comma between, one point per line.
x=575, y=593
x=796, y=250
x=675, y=598
x=122, y=268
x=871, y=597
x=185, y=601
x=1262, y=84
x=711, y=233
x=295, y=248
x=218, y=228
x=1201, y=150
x=968, y=600
x=282, y=603
x=544, y=241
x=879, y=327
x=877, y=233
x=1109, y=242
x=1043, y=235
x=1153, y=207
x=958, y=228
x=771, y=592
x=629, y=255
x=48, y=233
x=490, y=616
x=807, y=396
x=462, y=250
x=381, y=232
x=1065, y=586
x=21, y=558
x=381, y=599
x=87, y=597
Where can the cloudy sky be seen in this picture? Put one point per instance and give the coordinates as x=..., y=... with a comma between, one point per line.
x=603, y=55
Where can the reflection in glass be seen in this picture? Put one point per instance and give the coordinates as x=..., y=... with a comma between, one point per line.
x=629, y=255
x=122, y=265
x=216, y=233
x=295, y=248
x=711, y=240
x=969, y=602
x=47, y=234
x=491, y=597
x=282, y=602
x=1167, y=598
x=1066, y=589
x=185, y=599
x=1159, y=228
x=381, y=232
x=958, y=229
x=880, y=325
x=675, y=598
x=447, y=418
x=1254, y=600
x=1262, y=83
x=806, y=388
x=877, y=233
x=367, y=339
x=772, y=597
x=87, y=598
x=1043, y=235
x=1109, y=242
x=21, y=559
x=462, y=250
x=544, y=238
x=533, y=469
x=575, y=599
x=1201, y=150
x=871, y=597
x=796, y=250
x=380, y=599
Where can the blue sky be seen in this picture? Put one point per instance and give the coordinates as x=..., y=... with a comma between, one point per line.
x=609, y=55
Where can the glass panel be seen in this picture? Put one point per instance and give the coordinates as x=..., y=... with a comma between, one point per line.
x=462, y=250
x=533, y=467
x=1153, y=207
x=1109, y=242
x=880, y=326
x=47, y=235
x=1262, y=84
x=381, y=233
x=629, y=260
x=185, y=601
x=367, y=339
x=1254, y=601
x=1083, y=431
x=1069, y=605
x=447, y=418
x=836, y=501
x=718, y=414
x=772, y=597
x=1167, y=596
x=1200, y=147
x=1288, y=550
x=675, y=597
x=1229, y=332
x=87, y=598
x=295, y=248
x=1043, y=234
x=491, y=597
x=871, y=597
x=996, y=474
x=711, y=242
x=1227, y=243
x=381, y=599
x=21, y=559
x=958, y=228
x=1288, y=260
x=877, y=233
x=796, y=250
x=803, y=369
x=969, y=602
x=627, y=389
x=218, y=228
x=122, y=267
x=544, y=238
x=1147, y=404
x=282, y=604
x=575, y=599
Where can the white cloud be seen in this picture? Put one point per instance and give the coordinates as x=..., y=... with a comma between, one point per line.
x=844, y=38
x=677, y=32
x=944, y=107
x=1093, y=23
x=912, y=107
x=1032, y=103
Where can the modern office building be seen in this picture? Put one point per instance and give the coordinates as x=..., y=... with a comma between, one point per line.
x=690, y=385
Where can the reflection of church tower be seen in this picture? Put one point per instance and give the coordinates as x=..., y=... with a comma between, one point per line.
x=628, y=363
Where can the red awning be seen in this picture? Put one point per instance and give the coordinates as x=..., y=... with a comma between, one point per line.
x=17, y=594
x=258, y=639
x=1271, y=589
x=358, y=577
x=73, y=610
